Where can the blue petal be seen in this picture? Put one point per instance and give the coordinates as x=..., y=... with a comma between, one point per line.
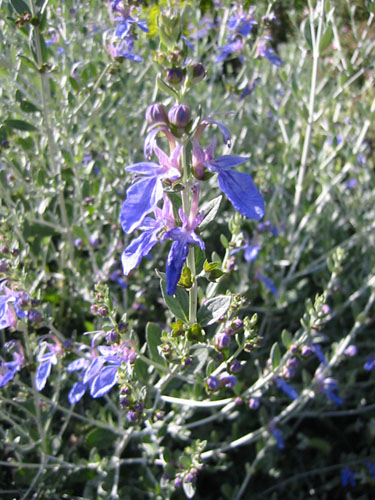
x=251, y=252
x=42, y=373
x=142, y=197
x=76, y=393
x=242, y=193
x=104, y=382
x=145, y=168
x=77, y=364
x=93, y=370
x=137, y=249
x=285, y=387
x=176, y=259
x=8, y=375
x=225, y=162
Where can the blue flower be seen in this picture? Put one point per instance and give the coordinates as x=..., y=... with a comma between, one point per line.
x=142, y=245
x=264, y=51
x=144, y=195
x=182, y=236
x=47, y=357
x=231, y=48
x=10, y=306
x=8, y=369
x=277, y=434
x=347, y=477
x=329, y=387
x=285, y=387
x=370, y=364
x=237, y=186
x=242, y=23
x=269, y=284
x=251, y=250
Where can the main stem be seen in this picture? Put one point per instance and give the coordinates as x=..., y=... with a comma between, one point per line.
x=193, y=292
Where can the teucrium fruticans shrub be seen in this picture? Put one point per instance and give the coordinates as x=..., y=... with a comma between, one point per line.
x=128, y=386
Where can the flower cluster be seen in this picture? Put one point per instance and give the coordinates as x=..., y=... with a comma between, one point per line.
x=120, y=43
x=144, y=195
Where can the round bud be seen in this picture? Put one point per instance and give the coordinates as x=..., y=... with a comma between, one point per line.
x=179, y=115
x=175, y=76
x=156, y=113
x=198, y=73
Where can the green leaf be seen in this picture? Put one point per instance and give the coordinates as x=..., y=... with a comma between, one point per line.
x=28, y=107
x=20, y=125
x=209, y=266
x=326, y=39
x=275, y=355
x=80, y=233
x=200, y=257
x=153, y=337
x=210, y=209
x=213, y=309
x=164, y=87
x=178, y=304
x=100, y=438
x=20, y=6
x=224, y=241
x=286, y=338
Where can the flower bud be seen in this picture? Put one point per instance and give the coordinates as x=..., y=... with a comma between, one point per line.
x=236, y=366
x=3, y=266
x=179, y=115
x=102, y=312
x=254, y=403
x=156, y=113
x=212, y=383
x=175, y=76
x=34, y=316
x=198, y=73
x=222, y=340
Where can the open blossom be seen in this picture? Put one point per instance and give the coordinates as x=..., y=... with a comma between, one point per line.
x=8, y=369
x=237, y=186
x=143, y=196
x=48, y=356
x=10, y=306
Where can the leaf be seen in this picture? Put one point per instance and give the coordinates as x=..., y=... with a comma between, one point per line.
x=100, y=438
x=28, y=107
x=326, y=39
x=153, y=337
x=79, y=233
x=213, y=309
x=286, y=338
x=20, y=125
x=275, y=355
x=210, y=210
x=164, y=87
x=178, y=304
x=189, y=489
x=20, y=6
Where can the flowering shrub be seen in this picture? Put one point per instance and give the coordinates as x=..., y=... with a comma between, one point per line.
x=186, y=264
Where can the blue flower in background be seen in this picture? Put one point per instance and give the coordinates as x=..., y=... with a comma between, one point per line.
x=347, y=477
x=269, y=283
x=10, y=306
x=242, y=23
x=237, y=186
x=371, y=468
x=277, y=434
x=8, y=369
x=143, y=196
x=229, y=49
x=285, y=387
x=370, y=364
x=48, y=356
x=251, y=250
x=264, y=51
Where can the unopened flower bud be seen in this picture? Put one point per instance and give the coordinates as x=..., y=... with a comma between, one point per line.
x=94, y=309
x=3, y=266
x=212, y=383
x=131, y=416
x=4, y=249
x=177, y=483
x=122, y=327
x=156, y=113
x=138, y=406
x=102, y=312
x=78, y=243
x=306, y=351
x=198, y=73
x=175, y=76
x=111, y=336
x=179, y=115
x=222, y=340
x=254, y=403
x=236, y=366
x=34, y=316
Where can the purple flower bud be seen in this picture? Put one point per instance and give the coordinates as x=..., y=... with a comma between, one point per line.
x=131, y=416
x=191, y=476
x=212, y=383
x=188, y=361
x=111, y=336
x=292, y=363
x=222, y=340
x=306, y=351
x=175, y=76
x=156, y=113
x=351, y=351
x=94, y=309
x=254, y=403
x=326, y=309
x=4, y=249
x=177, y=483
x=122, y=327
x=238, y=401
x=125, y=402
x=227, y=380
x=138, y=406
x=237, y=324
x=3, y=266
x=198, y=73
x=94, y=241
x=179, y=115
x=78, y=243
x=102, y=312
x=236, y=366
x=34, y=316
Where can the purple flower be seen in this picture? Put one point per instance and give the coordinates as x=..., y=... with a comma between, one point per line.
x=227, y=380
x=48, y=356
x=237, y=186
x=269, y=284
x=347, y=477
x=142, y=245
x=285, y=387
x=222, y=340
x=254, y=403
x=212, y=383
x=231, y=48
x=242, y=23
x=329, y=387
x=370, y=364
x=8, y=369
x=351, y=351
x=183, y=236
x=143, y=196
